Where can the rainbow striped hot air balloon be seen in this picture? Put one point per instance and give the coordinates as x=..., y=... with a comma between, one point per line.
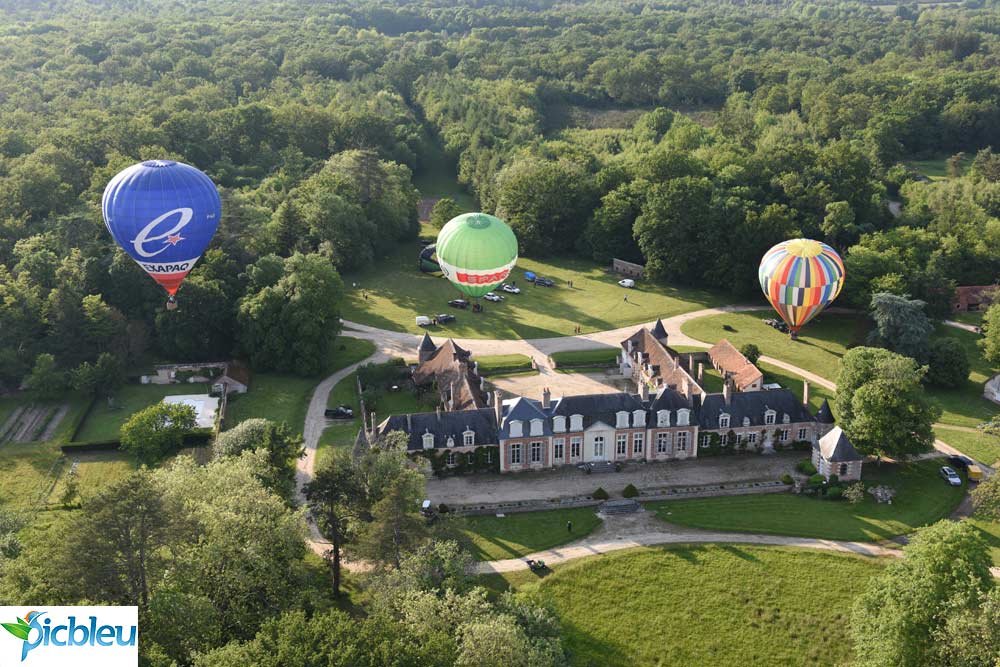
x=800, y=278
x=476, y=252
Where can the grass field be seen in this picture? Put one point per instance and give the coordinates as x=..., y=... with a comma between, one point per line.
x=436, y=177
x=501, y=364
x=965, y=406
x=604, y=355
x=990, y=532
x=398, y=292
x=922, y=498
x=980, y=446
x=286, y=397
x=105, y=421
x=522, y=533
x=719, y=605
x=95, y=470
x=975, y=318
x=820, y=346
x=937, y=169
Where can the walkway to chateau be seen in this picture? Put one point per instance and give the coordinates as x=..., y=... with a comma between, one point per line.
x=394, y=343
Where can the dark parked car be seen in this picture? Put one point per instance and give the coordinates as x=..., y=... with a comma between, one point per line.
x=444, y=318
x=340, y=412
x=962, y=462
x=459, y=303
x=544, y=282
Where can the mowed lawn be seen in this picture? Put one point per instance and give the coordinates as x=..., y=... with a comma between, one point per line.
x=521, y=533
x=922, y=498
x=965, y=406
x=719, y=605
x=990, y=532
x=285, y=398
x=398, y=292
x=104, y=421
x=980, y=446
x=819, y=348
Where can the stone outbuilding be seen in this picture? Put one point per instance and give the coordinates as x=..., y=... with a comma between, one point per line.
x=834, y=454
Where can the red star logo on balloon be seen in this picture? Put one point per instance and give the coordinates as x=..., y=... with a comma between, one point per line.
x=174, y=239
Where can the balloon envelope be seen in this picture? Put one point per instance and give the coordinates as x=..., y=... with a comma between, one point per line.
x=476, y=252
x=163, y=214
x=800, y=278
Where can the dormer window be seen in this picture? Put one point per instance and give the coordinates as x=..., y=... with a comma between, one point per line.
x=683, y=417
x=536, y=427
x=450, y=443
x=469, y=438
x=723, y=420
x=638, y=418
x=746, y=421
x=428, y=440
x=769, y=417
x=576, y=422
x=786, y=419
x=515, y=429
x=559, y=424
x=663, y=417
x=621, y=419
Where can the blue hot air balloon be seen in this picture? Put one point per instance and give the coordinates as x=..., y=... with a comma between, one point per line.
x=163, y=214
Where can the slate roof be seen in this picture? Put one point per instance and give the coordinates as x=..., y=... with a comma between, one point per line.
x=426, y=344
x=730, y=360
x=825, y=414
x=524, y=410
x=444, y=424
x=451, y=367
x=597, y=407
x=753, y=404
x=836, y=448
x=669, y=399
x=659, y=331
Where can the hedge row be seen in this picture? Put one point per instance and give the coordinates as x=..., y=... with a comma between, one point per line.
x=503, y=363
x=603, y=356
x=198, y=438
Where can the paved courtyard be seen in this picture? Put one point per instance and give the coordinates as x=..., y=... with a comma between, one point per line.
x=569, y=482
x=564, y=384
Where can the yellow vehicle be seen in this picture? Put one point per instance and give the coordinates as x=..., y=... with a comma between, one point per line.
x=975, y=473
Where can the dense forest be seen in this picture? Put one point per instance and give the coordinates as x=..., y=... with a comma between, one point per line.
x=738, y=125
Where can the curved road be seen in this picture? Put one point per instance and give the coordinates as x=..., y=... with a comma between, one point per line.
x=395, y=343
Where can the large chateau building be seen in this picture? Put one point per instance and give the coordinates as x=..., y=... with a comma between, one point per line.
x=673, y=421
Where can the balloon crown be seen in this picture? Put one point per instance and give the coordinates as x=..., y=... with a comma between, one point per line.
x=804, y=248
x=158, y=163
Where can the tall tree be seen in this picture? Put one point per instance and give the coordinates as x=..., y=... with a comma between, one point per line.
x=158, y=431
x=901, y=325
x=334, y=498
x=282, y=444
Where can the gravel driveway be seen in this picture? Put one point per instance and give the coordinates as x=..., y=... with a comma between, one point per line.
x=568, y=482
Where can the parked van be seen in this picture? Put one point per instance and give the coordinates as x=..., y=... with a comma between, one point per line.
x=975, y=473
x=423, y=321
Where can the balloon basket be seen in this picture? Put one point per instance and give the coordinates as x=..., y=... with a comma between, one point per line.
x=794, y=335
x=171, y=303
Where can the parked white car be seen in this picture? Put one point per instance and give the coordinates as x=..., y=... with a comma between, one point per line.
x=950, y=475
x=627, y=282
x=423, y=321
x=492, y=296
x=510, y=289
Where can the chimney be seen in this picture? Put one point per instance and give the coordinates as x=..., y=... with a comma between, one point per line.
x=687, y=387
x=546, y=398
x=498, y=407
x=805, y=392
x=475, y=367
x=631, y=346
x=451, y=397
x=438, y=411
x=409, y=422
x=727, y=391
x=691, y=363
x=644, y=391
x=701, y=372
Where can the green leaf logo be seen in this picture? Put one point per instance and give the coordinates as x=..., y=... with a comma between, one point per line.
x=19, y=629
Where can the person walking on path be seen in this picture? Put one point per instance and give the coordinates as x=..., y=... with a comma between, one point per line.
x=569, y=526
x=626, y=298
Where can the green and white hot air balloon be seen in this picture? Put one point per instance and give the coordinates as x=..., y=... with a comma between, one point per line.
x=476, y=252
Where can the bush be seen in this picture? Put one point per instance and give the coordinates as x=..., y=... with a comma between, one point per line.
x=805, y=467
x=600, y=494
x=835, y=492
x=787, y=479
x=817, y=480
x=855, y=493
x=948, y=365
x=443, y=509
x=751, y=352
x=834, y=480
x=630, y=492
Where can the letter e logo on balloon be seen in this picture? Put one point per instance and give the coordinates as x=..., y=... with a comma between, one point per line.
x=170, y=237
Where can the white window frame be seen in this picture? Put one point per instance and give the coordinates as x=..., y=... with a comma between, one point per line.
x=663, y=441
x=469, y=438
x=638, y=443
x=621, y=419
x=663, y=417
x=783, y=437
x=536, y=427
x=559, y=424
x=769, y=417
x=452, y=460
x=516, y=429
x=575, y=447
x=576, y=422
x=638, y=418
x=536, y=452
x=621, y=444
x=706, y=439
x=515, y=454
x=489, y=455
x=724, y=420
x=682, y=441
x=558, y=449
x=752, y=438
x=683, y=417
x=802, y=434
x=599, y=446
x=428, y=440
